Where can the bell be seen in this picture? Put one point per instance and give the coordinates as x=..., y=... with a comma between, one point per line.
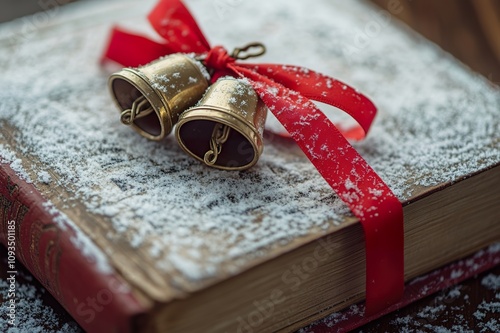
x=225, y=129
x=151, y=97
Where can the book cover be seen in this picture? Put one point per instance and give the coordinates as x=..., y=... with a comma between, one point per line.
x=171, y=231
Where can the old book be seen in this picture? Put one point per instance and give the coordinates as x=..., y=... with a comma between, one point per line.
x=132, y=235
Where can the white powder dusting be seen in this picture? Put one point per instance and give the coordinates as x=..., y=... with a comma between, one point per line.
x=80, y=240
x=32, y=315
x=437, y=122
x=491, y=281
x=8, y=156
x=44, y=177
x=202, y=68
x=456, y=273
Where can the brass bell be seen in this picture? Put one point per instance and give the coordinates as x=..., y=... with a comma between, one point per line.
x=225, y=129
x=151, y=97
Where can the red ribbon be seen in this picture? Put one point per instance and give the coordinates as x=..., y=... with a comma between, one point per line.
x=287, y=91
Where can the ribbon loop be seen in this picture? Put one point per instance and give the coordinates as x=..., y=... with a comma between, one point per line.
x=325, y=89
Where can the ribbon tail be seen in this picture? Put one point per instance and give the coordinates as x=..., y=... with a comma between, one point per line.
x=173, y=21
x=325, y=89
x=131, y=50
x=354, y=181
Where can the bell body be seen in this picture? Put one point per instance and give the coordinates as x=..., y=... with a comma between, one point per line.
x=230, y=114
x=151, y=97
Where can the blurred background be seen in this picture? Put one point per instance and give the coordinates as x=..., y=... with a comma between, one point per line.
x=10, y=9
x=468, y=29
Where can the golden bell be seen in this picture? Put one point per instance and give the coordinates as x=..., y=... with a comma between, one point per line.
x=151, y=97
x=225, y=129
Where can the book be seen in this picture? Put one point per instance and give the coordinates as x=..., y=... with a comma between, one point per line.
x=133, y=235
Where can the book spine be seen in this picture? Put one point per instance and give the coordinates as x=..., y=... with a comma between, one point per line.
x=99, y=302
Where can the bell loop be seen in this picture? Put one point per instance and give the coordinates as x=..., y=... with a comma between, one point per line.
x=218, y=58
x=244, y=52
x=220, y=134
x=140, y=108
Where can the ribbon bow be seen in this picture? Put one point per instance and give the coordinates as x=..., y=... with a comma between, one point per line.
x=288, y=91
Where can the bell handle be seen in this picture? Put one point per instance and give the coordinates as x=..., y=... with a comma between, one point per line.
x=242, y=53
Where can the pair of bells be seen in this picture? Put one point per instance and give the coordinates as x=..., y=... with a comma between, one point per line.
x=221, y=125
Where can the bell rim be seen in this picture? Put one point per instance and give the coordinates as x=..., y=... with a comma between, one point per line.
x=193, y=114
x=161, y=110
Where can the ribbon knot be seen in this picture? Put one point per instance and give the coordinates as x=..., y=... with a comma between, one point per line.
x=218, y=58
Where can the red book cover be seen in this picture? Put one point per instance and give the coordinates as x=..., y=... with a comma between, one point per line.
x=51, y=249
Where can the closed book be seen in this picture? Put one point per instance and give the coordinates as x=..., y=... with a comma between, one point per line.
x=134, y=235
